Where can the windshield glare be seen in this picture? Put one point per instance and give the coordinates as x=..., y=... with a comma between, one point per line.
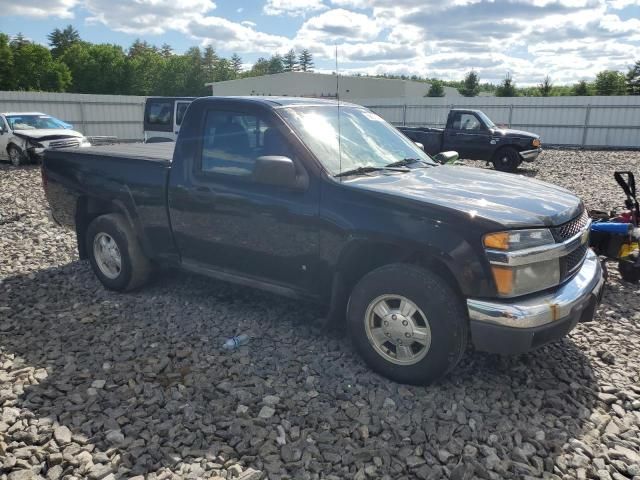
x=34, y=122
x=366, y=139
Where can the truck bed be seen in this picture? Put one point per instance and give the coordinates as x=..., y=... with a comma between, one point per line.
x=430, y=138
x=152, y=152
x=125, y=178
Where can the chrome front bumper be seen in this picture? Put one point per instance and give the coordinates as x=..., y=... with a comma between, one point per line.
x=513, y=326
x=530, y=155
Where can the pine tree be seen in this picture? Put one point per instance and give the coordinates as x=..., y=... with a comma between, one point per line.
x=581, y=89
x=610, y=82
x=436, y=89
x=209, y=60
x=6, y=64
x=290, y=61
x=545, y=87
x=633, y=79
x=19, y=41
x=507, y=88
x=60, y=40
x=236, y=64
x=166, y=50
x=305, y=60
x=470, y=85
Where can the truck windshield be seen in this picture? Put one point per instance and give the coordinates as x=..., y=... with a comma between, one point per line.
x=366, y=140
x=34, y=122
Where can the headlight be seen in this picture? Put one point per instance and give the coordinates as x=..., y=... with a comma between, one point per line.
x=35, y=144
x=536, y=142
x=522, y=277
x=84, y=142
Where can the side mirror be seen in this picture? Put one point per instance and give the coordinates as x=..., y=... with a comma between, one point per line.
x=276, y=170
x=446, y=157
x=420, y=146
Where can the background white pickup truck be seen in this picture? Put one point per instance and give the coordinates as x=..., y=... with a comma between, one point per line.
x=25, y=135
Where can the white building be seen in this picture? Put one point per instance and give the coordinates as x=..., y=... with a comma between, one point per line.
x=304, y=84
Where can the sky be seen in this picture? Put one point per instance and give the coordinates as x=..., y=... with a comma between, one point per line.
x=569, y=40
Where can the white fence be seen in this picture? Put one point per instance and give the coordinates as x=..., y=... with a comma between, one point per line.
x=607, y=122
x=94, y=115
x=603, y=122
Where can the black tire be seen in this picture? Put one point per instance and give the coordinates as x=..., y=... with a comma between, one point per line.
x=16, y=157
x=629, y=271
x=135, y=266
x=442, y=307
x=506, y=159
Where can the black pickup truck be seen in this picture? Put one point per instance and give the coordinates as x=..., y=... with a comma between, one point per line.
x=474, y=136
x=415, y=257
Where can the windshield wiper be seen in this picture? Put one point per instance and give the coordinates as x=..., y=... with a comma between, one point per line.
x=406, y=161
x=369, y=169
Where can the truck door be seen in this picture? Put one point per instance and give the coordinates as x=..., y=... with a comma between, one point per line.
x=225, y=222
x=467, y=135
x=4, y=137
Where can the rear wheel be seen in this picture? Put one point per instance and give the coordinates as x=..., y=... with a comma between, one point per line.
x=115, y=253
x=506, y=159
x=407, y=323
x=15, y=156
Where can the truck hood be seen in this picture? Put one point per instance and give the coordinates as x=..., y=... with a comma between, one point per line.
x=509, y=132
x=506, y=199
x=47, y=134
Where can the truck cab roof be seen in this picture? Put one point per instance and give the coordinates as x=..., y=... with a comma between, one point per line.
x=278, y=101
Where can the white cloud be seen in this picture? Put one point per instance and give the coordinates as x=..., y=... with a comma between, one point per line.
x=232, y=36
x=146, y=16
x=293, y=8
x=38, y=8
x=338, y=25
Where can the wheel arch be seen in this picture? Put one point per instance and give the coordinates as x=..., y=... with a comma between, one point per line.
x=88, y=209
x=362, y=257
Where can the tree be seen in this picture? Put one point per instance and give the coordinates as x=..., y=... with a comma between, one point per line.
x=290, y=61
x=60, y=40
x=138, y=47
x=19, y=41
x=436, y=89
x=6, y=64
x=546, y=87
x=305, y=60
x=166, y=50
x=209, y=61
x=97, y=68
x=507, y=88
x=276, y=64
x=236, y=64
x=581, y=89
x=633, y=79
x=470, y=85
x=261, y=67
x=34, y=69
x=610, y=82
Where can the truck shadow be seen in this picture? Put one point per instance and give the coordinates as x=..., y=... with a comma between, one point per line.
x=148, y=366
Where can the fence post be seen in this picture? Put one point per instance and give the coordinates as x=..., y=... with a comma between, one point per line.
x=404, y=115
x=585, y=128
x=82, y=118
x=510, y=114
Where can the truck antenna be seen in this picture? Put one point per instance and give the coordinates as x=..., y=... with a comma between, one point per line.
x=338, y=99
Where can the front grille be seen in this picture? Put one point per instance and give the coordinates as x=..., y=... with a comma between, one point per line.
x=571, y=228
x=65, y=143
x=575, y=258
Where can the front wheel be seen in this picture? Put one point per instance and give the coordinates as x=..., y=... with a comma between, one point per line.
x=506, y=159
x=115, y=253
x=407, y=323
x=15, y=156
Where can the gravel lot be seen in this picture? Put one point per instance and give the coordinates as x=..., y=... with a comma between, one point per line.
x=101, y=385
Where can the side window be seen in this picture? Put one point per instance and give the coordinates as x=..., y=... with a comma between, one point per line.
x=465, y=121
x=159, y=113
x=181, y=108
x=232, y=141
